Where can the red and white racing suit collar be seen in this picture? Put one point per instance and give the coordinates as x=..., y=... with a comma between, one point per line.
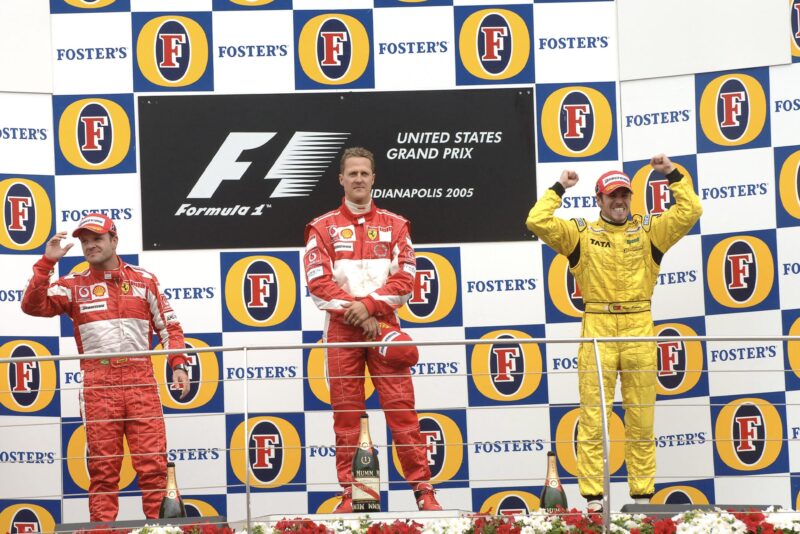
x=109, y=274
x=358, y=217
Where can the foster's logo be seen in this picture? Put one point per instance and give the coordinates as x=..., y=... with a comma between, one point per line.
x=444, y=446
x=94, y=134
x=652, y=193
x=335, y=49
x=740, y=272
x=563, y=290
x=26, y=517
x=172, y=51
x=576, y=122
x=733, y=109
x=26, y=214
x=680, y=363
x=494, y=44
x=679, y=495
x=795, y=15
x=789, y=184
x=435, y=295
x=507, y=372
x=748, y=434
x=510, y=503
x=26, y=386
x=261, y=291
x=318, y=377
x=274, y=453
x=77, y=468
x=566, y=438
x=204, y=376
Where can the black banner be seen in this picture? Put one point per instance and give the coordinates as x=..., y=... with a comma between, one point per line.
x=249, y=171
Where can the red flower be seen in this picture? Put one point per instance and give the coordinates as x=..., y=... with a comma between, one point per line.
x=664, y=526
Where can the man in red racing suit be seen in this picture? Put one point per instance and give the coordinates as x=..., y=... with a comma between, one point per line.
x=360, y=267
x=114, y=307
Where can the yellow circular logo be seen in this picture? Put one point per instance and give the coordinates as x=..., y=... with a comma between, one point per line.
x=507, y=372
x=26, y=387
x=94, y=134
x=733, y=109
x=435, y=290
x=788, y=184
x=27, y=215
x=274, y=452
x=567, y=442
x=333, y=49
x=748, y=434
x=76, y=460
x=740, y=271
x=26, y=517
x=318, y=376
x=494, y=44
x=186, y=51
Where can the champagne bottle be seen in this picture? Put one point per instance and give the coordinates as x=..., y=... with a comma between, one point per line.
x=172, y=505
x=553, y=495
x=366, y=473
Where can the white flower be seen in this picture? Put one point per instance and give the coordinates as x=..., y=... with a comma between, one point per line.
x=157, y=529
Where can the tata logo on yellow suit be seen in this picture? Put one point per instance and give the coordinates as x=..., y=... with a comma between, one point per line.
x=732, y=110
x=26, y=220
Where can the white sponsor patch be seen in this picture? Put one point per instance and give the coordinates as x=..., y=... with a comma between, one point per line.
x=313, y=273
x=93, y=307
x=312, y=243
x=385, y=234
x=171, y=318
x=410, y=269
x=339, y=246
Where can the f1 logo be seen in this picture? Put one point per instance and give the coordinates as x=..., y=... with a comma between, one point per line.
x=748, y=431
x=19, y=207
x=668, y=356
x=731, y=108
x=493, y=42
x=422, y=286
x=171, y=44
x=332, y=48
x=575, y=120
x=740, y=269
x=259, y=289
x=431, y=439
x=506, y=363
x=314, y=149
x=265, y=449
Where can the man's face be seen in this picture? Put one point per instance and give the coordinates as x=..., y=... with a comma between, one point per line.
x=98, y=249
x=357, y=179
x=615, y=206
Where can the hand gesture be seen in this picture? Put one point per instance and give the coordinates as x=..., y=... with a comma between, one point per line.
x=568, y=179
x=371, y=329
x=180, y=380
x=662, y=164
x=54, y=251
x=356, y=313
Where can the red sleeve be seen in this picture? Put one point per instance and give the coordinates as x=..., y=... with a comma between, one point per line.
x=318, y=265
x=397, y=289
x=42, y=298
x=165, y=323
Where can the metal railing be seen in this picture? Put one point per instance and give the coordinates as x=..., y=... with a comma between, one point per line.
x=594, y=342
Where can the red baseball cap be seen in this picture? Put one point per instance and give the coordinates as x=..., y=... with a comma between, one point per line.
x=97, y=223
x=611, y=181
x=397, y=356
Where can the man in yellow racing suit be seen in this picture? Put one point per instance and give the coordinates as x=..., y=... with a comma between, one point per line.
x=615, y=261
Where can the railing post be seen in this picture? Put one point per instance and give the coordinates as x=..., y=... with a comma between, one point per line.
x=246, y=446
x=606, y=440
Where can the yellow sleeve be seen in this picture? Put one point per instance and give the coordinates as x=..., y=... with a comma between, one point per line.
x=667, y=228
x=560, y=234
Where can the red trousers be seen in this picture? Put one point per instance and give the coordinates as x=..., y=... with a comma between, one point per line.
x=122, y=399
x=346, y=369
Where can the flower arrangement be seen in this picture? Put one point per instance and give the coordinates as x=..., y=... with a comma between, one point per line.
x=565, y=522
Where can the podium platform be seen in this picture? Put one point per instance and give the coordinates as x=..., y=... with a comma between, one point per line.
x=668, y=510
x=138, y=523
x=386, y=517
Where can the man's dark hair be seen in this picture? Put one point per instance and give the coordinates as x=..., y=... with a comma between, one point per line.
x=356, y=152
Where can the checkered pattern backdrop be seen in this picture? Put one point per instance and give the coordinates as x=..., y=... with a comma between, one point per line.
x=736, y=134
